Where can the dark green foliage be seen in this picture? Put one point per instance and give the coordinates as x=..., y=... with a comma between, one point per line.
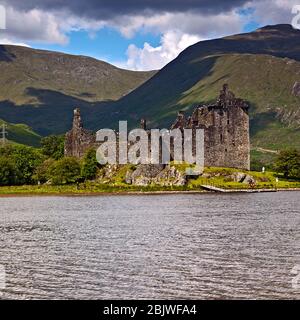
x=64, y=171
x=288, y=163
x=9, y=174
x=24, y=160
x=256, y=165
x=53, y=146
x=42, y=172
x=261, y=159
x=89, y=165
x=26, y=165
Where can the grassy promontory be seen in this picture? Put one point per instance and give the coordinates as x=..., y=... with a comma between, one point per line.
x=219, y=177
x=225, y=178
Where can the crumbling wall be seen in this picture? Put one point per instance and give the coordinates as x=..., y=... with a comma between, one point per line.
x=226, y=131
x=78, y=139
x=225, y=124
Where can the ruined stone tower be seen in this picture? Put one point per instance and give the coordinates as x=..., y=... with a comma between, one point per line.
x=225, y=124
x=226, y=130
x=78, y=140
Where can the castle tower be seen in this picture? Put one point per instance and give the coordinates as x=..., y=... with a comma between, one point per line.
x=77, y=122
x=78, y=139
x=226, y=131
x=226, y=125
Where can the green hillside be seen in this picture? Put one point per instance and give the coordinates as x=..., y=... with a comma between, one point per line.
x=20, y=133
x=25, y=71
x=261, y=67
x=274, y=112
x=41, y=88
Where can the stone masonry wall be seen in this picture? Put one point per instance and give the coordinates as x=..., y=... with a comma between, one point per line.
x=78, y=140
x=225, y=123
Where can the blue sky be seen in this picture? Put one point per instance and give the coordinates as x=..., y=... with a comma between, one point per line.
x=106, y=44
x=110, y=45
x=136, y=35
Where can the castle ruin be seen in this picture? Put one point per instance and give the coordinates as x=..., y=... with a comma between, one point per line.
x=78, y=139
x=226, y=128
x=225, y=124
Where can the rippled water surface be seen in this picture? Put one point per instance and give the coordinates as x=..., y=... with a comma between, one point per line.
x=173, y=246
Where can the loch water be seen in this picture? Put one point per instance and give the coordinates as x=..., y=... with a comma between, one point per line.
x=181, y=246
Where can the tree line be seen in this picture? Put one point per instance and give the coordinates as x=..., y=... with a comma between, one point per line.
x=21, y=165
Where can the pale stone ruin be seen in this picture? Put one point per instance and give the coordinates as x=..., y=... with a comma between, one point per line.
x=226, y=132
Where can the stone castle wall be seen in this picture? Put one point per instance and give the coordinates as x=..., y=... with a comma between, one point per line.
x=78, y=140
x=225, y=124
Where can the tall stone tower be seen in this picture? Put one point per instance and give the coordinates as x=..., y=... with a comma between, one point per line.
x=226, y=131
x=77, y=122
x=78, y=139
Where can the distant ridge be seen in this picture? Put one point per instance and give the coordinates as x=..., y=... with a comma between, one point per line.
x=81, y=77
x=39, y=87
x=262, y=67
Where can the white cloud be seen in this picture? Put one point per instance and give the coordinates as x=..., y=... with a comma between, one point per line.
x=52, y=27
x=33, y=25
x=178, y=30
x=153, y=58
x=46, y=27
x=204, y=26
x=273, y=12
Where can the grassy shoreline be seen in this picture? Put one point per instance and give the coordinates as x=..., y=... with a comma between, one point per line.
x=217, y=177
x=72, y=190
x=95, y=189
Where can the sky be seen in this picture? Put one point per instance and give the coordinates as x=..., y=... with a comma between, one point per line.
x=133, y=34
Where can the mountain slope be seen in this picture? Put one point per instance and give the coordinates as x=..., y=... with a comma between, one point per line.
x=20, y=133
x=24, y=69
x=261, y=67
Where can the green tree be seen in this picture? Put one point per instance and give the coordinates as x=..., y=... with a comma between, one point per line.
x=53, y=146
x=9, y=174
x=25, y=159
x=6, y=150
x=288, y=163
x=89, y=165
x=42, y=172
x=64, y=171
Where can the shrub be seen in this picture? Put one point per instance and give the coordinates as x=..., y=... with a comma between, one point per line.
x=64, y=171
x=42, y=172
x=25, y=160
x=53, y=146
x=89, y=165
x=9, y=174
x=288, y=163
